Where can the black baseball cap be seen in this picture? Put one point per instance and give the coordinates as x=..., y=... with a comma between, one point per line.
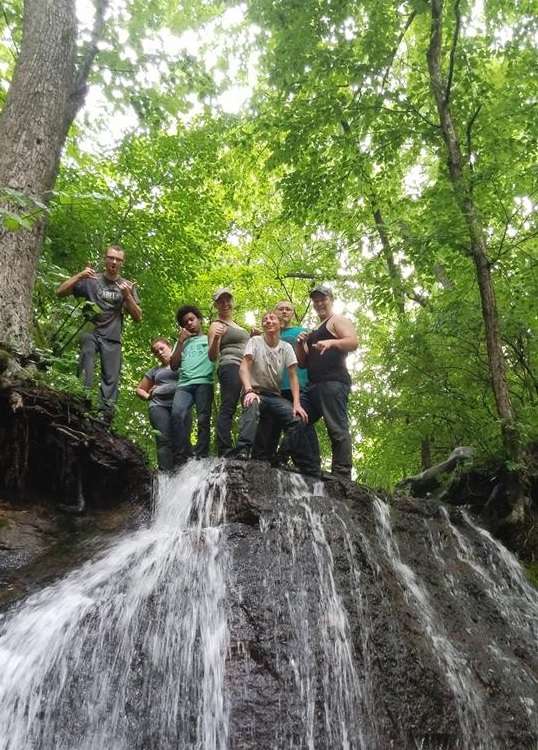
x=321, y=289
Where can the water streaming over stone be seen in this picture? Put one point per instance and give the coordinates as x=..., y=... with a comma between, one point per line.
x=127, y=652
x=263, y=611
x=475, y=733
x=324, y=664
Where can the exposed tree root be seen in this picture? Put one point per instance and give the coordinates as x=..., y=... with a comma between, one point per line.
x=52, y=452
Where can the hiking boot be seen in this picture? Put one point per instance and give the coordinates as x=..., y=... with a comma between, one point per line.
x=279, y=461
x=105, y=417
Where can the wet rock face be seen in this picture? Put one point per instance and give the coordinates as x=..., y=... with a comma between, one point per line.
x=350, y=622
x=39, y=543
x=260, y=611
x=66, y=483
x=52, y=453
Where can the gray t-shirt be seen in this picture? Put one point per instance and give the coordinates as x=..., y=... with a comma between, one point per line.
x=109, y=299
x=165, y=381
x=268, y=363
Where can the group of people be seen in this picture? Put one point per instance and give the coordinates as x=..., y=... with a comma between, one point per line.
x=285, y=377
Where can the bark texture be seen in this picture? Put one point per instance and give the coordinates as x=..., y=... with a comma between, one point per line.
x=47, y=90
x=33, y=127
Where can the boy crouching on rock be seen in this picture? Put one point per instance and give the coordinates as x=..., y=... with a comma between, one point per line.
x=260, y=372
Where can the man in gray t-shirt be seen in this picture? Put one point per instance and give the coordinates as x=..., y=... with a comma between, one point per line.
x=113, y=295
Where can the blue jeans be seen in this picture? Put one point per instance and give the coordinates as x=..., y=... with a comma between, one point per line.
x=160, y=418
x=329, y=400
x=230, y=393
x=281, y=411
x=201, y=396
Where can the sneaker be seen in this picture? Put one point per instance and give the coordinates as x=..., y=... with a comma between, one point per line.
x=279, y=461
x=240, y=456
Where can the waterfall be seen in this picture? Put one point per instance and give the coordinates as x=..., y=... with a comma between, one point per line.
x=471, y=716
x=258, y=612
x=129, y=651
x=325, y=653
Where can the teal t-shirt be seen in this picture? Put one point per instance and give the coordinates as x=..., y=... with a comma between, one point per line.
x=290, y=336
x=196, y=367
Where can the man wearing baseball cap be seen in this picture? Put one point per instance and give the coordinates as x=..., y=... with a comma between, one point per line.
x=323, y=352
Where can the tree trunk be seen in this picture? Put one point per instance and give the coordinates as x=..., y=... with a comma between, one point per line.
x=45, y=94
x=478, y=249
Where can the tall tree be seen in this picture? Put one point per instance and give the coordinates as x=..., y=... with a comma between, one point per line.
x=47, y=90
x=441, y=84
x=360, y=67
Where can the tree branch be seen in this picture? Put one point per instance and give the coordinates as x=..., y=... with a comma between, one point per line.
x=397, y=45
x=453, y=47
x=468, y=135
x=89, y=53
x=386, y=249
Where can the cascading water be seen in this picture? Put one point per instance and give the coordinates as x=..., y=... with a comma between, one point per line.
x=127, y=652
x=258, y=612
x=474, y=730
x=324, y=666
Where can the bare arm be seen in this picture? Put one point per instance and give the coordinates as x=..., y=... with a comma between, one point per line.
x=343, y=329
x=301, y=349
x=133, y=308
x=66, y=288
x=215, y=333
x=144, y=388
x=244, y=376
x=244, y=371
x=294, y=386
x=177, y=353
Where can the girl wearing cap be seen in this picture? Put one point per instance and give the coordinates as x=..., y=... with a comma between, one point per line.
x=227, y=341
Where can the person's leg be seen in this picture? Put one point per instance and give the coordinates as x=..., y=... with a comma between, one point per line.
x=309, y=448
x=333, y=400
x=311, y=437
x=160, y=418
x=86, y=359
x=278, y=455
x=188, y=428
x=267, y=437
x=230, y=391
x=110, y=352
x=247, y=428
x=294, y=443
x=181, y=422
x=203, y=398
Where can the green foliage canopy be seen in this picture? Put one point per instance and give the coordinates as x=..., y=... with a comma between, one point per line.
x=337, y=172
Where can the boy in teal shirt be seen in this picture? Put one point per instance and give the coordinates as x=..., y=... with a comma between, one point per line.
x=195, y=385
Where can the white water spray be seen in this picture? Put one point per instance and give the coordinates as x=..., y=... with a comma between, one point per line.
x=141, y=628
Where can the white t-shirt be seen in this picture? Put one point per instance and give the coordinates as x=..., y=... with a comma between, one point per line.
x=268, y=363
